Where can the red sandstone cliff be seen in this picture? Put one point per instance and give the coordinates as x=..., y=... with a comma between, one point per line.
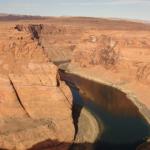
x=115, y=52
x=35, y=106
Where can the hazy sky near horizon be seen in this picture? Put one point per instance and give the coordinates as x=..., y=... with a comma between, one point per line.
x=134, y=9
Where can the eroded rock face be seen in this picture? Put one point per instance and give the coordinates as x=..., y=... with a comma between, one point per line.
x=35, y=30
x=58, y=41
x=35, y=106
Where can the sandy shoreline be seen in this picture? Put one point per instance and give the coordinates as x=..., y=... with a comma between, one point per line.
x=90, y=129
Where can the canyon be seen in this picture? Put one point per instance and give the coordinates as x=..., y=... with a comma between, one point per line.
x=36, y=105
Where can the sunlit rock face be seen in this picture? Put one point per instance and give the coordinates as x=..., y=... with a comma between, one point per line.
x=35, y=106
x=58, y=41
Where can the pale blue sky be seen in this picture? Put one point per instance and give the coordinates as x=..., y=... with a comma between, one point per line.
x=134, y=9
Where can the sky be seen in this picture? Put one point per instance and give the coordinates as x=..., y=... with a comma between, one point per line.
x=132, y=9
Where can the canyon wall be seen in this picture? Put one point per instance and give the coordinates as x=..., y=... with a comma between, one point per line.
x=57, y=41
x=116, y=52
x=113, y=51
x=35, y=106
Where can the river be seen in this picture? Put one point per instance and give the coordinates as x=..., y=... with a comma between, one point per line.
x=124, y=128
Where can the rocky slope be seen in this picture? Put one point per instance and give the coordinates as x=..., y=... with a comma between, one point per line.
x=35, y=106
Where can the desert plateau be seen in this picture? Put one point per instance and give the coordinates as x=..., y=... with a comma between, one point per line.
x=74, y=83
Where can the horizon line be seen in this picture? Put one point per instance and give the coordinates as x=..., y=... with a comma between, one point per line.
x=73, y=16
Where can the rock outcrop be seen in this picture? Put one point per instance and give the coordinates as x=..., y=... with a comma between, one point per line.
x=51, y=36
x=35, y=106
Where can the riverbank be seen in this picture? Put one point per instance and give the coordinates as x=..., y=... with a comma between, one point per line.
x=89, y=131
x=124, y=126
x=88, y=125
x=131, y=93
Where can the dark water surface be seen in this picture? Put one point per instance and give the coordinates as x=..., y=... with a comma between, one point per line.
x=124, y=127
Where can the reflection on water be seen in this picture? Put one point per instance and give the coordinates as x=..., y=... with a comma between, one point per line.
x=124, y=127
